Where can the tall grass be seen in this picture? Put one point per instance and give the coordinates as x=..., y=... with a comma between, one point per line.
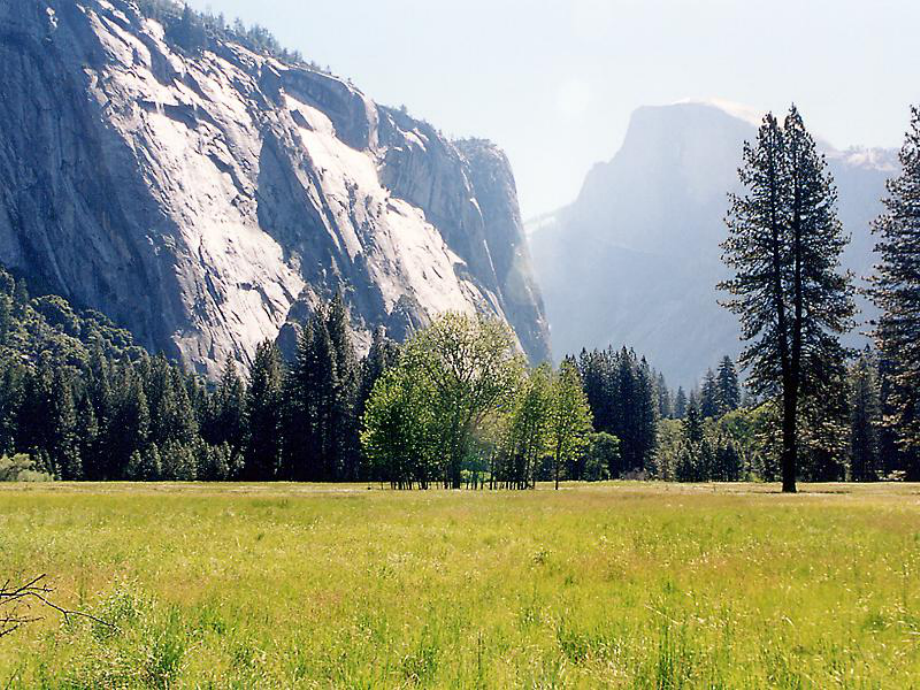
x=616, y=585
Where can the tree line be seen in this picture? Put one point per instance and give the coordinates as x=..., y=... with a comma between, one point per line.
x=194, y=31
x=80, y=401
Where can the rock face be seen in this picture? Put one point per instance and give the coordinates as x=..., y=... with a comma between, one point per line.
x=636, y=258
x=206, y=200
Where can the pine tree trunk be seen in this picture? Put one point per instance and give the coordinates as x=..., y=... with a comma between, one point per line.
x=789, y=459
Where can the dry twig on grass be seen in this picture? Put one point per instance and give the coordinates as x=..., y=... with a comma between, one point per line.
x=16, y=603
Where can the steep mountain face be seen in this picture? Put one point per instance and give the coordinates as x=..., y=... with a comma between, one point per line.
x=635, y=259
x=207, y=200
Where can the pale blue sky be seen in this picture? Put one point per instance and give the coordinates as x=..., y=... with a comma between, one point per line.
x=554, y=81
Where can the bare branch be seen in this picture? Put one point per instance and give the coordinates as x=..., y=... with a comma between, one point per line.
x=16, y=604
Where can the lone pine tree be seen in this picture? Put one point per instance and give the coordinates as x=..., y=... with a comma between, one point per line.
x=784, y=246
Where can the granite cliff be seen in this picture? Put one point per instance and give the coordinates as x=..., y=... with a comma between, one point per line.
x=206, y=199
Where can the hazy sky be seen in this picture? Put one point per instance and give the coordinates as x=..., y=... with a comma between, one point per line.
x=554, y=81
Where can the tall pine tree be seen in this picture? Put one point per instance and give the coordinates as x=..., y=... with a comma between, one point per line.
x=865, y=417
x=263, y=404
x=729, y=392
x=897, y=293
x=784, y=246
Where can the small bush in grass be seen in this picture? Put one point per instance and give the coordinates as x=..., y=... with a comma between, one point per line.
x=21, y=468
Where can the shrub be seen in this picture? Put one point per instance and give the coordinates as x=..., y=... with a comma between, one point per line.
x=21, y=468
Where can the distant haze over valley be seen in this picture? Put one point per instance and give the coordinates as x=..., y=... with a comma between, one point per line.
x=635, y=258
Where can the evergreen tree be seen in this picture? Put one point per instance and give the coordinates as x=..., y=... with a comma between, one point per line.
x=172, y=416
x=318, y=368
x=12, y=382
x=729, y=392
x=784, y=245
x=178, y=462
x=692, y=456
x=145, y=466
x=665, y=405
x=824, y=420
x=865, y=419
x=225, y=418
x=709, y=396
x=345, y=444
x=728, y=462
x=263, y=404
x=680, y=404
x=87, y=433
x=897, y=294
x=98, y=394
x=647, y=415
x=128, y=427
x=693, y=424
x=63, y=447
x=383, y=355
x=894, y=459
x=597, y=378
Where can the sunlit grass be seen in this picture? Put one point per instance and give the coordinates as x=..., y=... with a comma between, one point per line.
x=615, y=585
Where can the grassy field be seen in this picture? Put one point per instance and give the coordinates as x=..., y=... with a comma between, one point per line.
x=615, y=585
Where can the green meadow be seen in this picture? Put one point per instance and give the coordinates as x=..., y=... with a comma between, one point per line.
x=615, y=585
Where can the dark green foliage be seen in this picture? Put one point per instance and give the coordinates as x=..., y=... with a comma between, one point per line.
x=709, y=396
x=623, y=395
x=345, y=447
x=322, y=394
x=707, y=451
x=600, y=458
x=865, y=419
x=189, y=32
x=85, y=403
x=225, y=412
x=665, y=404
x=784, y=246
x=897, y=293
x=263, y=403
x=193, y=31
x=824, y=431
x=680, y=404
x=729, y=391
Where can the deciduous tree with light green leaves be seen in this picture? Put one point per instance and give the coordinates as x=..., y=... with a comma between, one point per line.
x=451, y=376
x=472, y=366
x=569, y=418
x=526, y=437
x=399, y=430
